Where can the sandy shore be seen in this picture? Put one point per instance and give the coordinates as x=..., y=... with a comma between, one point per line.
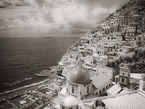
x=22, y=89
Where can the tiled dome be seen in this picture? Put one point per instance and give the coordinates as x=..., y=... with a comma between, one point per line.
x=79, y=76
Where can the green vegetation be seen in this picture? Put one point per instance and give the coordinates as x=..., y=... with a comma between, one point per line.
x=133, y=56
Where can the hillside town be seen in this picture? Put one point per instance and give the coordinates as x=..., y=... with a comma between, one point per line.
x=120, y=38
x=105, y=68
x=113, y=54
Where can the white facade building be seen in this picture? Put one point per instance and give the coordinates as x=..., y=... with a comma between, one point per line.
x=80, y=87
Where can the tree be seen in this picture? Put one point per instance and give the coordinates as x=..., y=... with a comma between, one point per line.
x=128, y=58
x=141, y=53
x=111, y=63
x=117, y=60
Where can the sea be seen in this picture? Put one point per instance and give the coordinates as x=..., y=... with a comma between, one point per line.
x=21, y=58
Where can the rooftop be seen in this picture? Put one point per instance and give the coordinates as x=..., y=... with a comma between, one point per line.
x=136, y=99
x=136, y=76
x=114, y=89
x=79, y=76
x=100, y=80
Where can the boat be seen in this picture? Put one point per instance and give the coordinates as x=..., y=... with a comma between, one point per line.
x=45, y=73
x=40, y=75
x=48, y=37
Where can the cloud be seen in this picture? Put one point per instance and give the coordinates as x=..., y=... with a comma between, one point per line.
x=61, y=16
x=101, y=3
x=6, y=3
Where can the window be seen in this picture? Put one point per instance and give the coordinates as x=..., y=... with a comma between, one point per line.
x=103, y=89
x=88, y=88
x=77, y=107
x=96, y=103
x=63, y=107
x=100, y=92
x=72, y=89
x=123, y=80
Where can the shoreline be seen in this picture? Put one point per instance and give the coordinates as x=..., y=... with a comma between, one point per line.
x=23, y=87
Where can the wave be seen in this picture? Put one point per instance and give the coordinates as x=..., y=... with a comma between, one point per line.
x=17, y=82
x=17, y=64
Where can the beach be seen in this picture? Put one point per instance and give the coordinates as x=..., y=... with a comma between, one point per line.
x=22, y=90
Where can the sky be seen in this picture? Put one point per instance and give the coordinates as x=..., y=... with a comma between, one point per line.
x=54, y=16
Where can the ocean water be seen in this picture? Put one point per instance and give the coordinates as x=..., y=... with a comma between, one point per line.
x=21, y=58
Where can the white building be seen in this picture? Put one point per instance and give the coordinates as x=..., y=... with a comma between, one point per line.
x=105, y=70
x=130, y=32
x=119, y=95
x=132, y=100
x=109, y=41
x=101, y=82
x=79, y=87
x=88, y=60
x=140, y=39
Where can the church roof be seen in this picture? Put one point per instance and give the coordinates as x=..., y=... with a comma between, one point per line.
x=100, y=80
x=79, y=76
x=114, y=89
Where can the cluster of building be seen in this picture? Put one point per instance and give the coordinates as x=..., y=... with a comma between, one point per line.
x=90, y=81
x=35, y=97
x=85, y=92
x=122, y=30
x=129, y=20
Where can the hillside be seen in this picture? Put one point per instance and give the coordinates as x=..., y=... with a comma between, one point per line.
x=119, y=39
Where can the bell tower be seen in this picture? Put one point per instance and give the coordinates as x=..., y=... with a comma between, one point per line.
x=124, y=76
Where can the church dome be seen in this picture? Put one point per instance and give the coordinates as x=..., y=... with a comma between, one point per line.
x=79, y=76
